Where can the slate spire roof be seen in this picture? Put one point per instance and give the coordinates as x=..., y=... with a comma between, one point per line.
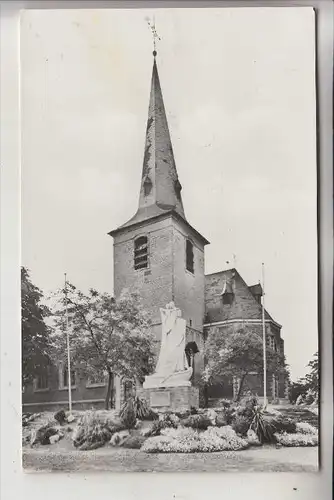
x=160, y=188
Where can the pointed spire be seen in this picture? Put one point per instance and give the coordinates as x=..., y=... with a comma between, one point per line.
x=160, y=185
x=160, y=188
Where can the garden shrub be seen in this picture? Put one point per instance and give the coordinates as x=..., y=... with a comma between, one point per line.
x=119, y=438
x=182, y=414
x=263, y=426
x=221, y=420
x=166, y=420
x=246, y=406
x=91, y=433
x=201, y=422
x=283, y=424
x=241, y=424
x=225, y=403
x=128, y=413
x=44, y=434
x=229, y=414
x=134, y=442
x=296, y=439
x=140, y=407
x=60, y=416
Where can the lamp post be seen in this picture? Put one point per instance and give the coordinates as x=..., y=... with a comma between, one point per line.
x=68, y=352
x=264, y=343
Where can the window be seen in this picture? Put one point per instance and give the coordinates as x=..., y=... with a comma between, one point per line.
x=227, y=298
x=227, y=293
x=141, y=253
x=96, y=380
x=42, y=382
x=190, y=256
x=65, y=378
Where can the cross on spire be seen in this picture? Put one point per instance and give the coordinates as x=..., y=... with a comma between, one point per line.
x=154, y=34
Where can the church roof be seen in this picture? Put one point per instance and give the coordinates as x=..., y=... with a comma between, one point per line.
x=244, y=306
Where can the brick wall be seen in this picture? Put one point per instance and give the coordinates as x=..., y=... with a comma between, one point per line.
x=167, y=277
x=155, y=282
x=53, y=397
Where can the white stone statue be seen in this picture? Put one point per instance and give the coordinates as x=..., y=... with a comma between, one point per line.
x=172, y=368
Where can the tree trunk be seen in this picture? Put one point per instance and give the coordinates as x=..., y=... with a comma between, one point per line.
x=206, y=395
x=108, y=400
x=241, y=386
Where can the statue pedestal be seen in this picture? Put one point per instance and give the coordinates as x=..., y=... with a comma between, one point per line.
x=177, y=379
x=172, y=398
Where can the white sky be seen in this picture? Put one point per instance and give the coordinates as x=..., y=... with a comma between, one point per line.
x=239, y=92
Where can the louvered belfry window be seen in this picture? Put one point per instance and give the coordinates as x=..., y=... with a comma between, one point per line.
x=141, y=253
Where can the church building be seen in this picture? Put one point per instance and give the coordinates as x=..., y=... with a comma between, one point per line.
x=161, y=254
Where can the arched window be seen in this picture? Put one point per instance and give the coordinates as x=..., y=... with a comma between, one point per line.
x=189, y=256
x=190, y=350
x=141, y=253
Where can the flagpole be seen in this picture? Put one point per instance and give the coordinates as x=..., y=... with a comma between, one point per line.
x=264, y=343
x=68, y=352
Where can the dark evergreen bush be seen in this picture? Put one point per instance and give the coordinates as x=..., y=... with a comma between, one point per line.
x=134, y=442
x=60, y=417
x=241, y=425
x=201, y=422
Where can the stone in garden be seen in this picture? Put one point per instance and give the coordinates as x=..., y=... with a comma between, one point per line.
x=54, y=439
x=146, y=431
x=299, y=400
x=70, y=418
x=119, y=437
x=212, y=416
x=138, y=424
x=252, y=437
x=33, y=437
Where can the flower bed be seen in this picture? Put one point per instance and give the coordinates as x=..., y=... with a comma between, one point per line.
x=297, y=439
x=187, y=440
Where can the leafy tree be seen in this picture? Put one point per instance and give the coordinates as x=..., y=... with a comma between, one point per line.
x=312, y=378
x=309, y=383
x=35, y=332
x=236, y=354
x=106, y=335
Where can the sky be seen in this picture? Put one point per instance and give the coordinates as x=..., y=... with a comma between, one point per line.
x=239, y=92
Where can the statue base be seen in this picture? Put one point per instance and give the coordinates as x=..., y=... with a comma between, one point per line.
x=177, y=379
x=172, y=398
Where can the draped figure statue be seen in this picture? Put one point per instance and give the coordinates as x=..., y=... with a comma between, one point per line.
x=172, y=356
x=172, y=367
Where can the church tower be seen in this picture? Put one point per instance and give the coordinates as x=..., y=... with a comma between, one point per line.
x=157, y=251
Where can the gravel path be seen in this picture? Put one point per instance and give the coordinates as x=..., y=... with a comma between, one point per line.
x=268, y=459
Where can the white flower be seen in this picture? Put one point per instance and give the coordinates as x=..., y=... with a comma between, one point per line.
x=306, y=428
